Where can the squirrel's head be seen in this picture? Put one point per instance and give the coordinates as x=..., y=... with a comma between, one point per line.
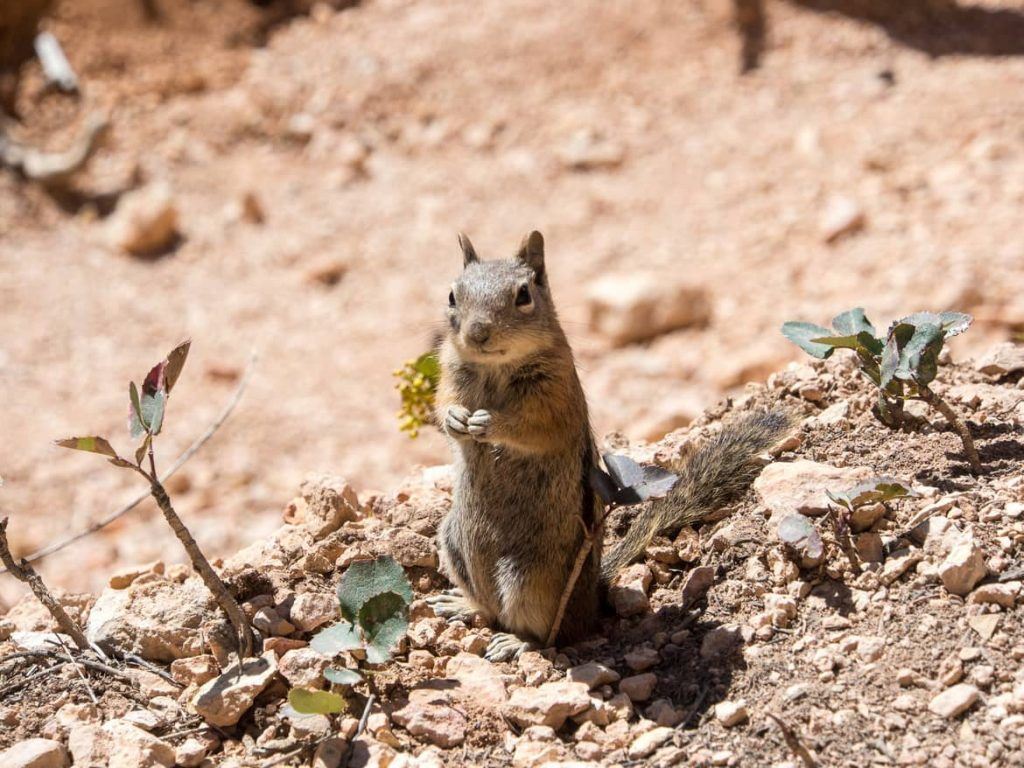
x=501, y=311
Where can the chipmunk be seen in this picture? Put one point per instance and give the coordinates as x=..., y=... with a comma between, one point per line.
x=511, y=404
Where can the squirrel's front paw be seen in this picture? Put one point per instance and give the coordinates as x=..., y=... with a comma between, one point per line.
x=479, y=424
x=456, y=421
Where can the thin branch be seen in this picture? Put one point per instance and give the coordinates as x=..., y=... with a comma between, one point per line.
x=958, y=426
x=81, y=674
x=178, y=464
x=202, y=566
x=590, y=535
x=794, y=743
x=26, y=573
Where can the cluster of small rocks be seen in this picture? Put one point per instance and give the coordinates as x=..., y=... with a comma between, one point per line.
x=915, y=633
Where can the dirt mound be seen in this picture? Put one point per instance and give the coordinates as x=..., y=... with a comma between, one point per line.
x=901, y=644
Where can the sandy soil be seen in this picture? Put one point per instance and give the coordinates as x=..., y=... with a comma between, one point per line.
x=372, y=134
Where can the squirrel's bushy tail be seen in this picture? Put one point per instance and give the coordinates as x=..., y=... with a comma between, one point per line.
x=715, y=474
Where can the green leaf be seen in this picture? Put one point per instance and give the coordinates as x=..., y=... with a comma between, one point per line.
x=342, y=676
x=853, y=322
x=871, y=491
x=863, y=343
x=175, y=362
x=802, y=334
x=91, y=444
x=899, y=335
x=153, y=411
x=365, y=579
x=951, y=323
x=135, y=425
x=919, y=359
x=307, y=702
x=429, y=365
x=799, y=533
x=384, y=620
x=343, y=636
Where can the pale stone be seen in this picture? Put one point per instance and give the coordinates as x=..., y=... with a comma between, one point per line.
x=799, y=486
x=954, y=701
x=223, y=700
x=550, y=704
x=730, y=713
x=35, y=753
x=639, y=687
x=632, y=307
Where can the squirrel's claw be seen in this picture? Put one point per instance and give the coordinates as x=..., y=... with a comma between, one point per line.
x=505, y=646
x=452, y=606
x=456, y=421
x=479, y=424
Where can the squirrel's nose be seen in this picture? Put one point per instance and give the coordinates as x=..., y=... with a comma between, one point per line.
x=479, y=332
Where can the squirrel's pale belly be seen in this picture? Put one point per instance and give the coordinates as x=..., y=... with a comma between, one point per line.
x=513, y=532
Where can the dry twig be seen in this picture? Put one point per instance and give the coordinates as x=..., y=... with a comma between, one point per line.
x=178, y=464
x=26, y=573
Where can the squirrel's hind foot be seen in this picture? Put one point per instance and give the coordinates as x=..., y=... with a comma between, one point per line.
x=505, y=646
x=453, y=606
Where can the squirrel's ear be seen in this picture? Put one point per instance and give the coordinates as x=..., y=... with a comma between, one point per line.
x=531, y=252
x=468, y=251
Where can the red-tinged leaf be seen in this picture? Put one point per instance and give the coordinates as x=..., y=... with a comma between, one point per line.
x=119, y=462
x=91, y=444
x=175, y=362
x=156, y=379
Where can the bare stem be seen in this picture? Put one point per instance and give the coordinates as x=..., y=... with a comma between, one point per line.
x=198, y=443
x=959, y=427
x=589, y=537
x=26, y=573
x=202, y=566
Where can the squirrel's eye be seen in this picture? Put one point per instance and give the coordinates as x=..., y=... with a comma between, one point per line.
x=451, y=299
x=523, y=297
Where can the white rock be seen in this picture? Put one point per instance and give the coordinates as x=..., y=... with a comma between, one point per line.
x=628, y=592
x=593, y=675
x=430, y=717
x=1002, y=359
x=145, y=221
x=954, y=700
x=639, y=687
x=799, y=486
x=550, y=704
x=1004, y=595
x=842, y=216
x=224, y=699
x=118, y=744
x=35, y=753
x=314, y=609
x=159, y=620
x=963, y=567
x=645, y=744
x=330, y=502
x=730, y=713
x=303, y=668
x=631, y=307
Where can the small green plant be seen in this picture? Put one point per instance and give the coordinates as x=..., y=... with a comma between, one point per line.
x=374, y=596
x=873, y=491
x=417, y=386
x=902, y=365
x=146, y=411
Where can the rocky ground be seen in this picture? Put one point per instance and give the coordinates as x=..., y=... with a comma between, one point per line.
x=902, y=644
x=294, y=184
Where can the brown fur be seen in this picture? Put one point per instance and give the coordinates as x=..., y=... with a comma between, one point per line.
x=511, y=402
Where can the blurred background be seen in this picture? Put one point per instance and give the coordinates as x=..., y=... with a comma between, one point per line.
x=289, y=178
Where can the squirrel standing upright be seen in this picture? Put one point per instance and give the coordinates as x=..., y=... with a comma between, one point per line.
x=512, y=405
